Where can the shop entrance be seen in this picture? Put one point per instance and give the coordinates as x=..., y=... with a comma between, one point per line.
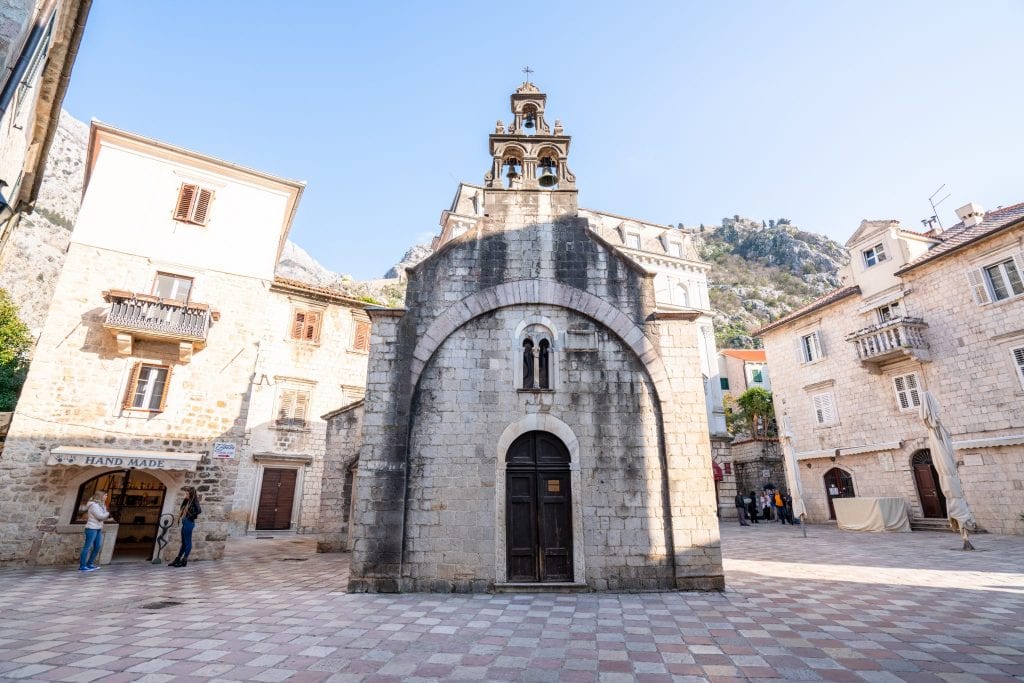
x=135, y=500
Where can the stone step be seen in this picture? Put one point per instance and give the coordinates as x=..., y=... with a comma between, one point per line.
x=550, y=587
x=931, y=524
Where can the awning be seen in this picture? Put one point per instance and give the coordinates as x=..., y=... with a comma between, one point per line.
x=717, y=470
x=82, y=456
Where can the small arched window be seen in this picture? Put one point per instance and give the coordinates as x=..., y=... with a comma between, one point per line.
x=543, y=364
x=536, y=361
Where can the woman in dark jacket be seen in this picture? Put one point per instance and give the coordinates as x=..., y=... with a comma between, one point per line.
x=188, y=512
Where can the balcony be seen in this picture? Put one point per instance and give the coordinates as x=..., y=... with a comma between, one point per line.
x=135, y=316
x=891, y=341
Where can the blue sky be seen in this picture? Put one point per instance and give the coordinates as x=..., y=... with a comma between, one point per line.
x=821, y=112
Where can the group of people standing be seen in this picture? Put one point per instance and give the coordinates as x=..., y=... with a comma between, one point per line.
x=770, y=505
x=97, y=513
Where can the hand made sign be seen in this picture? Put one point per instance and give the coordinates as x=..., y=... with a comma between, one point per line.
x=123, y=459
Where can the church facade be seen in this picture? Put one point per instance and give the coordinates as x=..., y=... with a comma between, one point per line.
x=533, y=416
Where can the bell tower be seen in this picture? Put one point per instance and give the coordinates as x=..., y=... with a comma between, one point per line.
x=529, y=155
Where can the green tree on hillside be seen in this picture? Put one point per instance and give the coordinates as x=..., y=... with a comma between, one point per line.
x=15, y=343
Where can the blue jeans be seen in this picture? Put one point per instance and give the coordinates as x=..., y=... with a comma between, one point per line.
x=187, y=525
x=91, y=549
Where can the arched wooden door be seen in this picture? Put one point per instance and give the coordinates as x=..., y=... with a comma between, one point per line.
x=538, y=509
x=933, y=502
x=838, y=484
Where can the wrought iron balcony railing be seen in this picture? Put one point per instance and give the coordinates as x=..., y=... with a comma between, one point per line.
x=142, y=316
x=891, y=340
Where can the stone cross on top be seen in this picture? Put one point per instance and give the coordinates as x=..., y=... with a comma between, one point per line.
x=527, y=70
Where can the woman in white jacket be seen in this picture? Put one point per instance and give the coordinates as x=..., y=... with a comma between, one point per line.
x=97, y=514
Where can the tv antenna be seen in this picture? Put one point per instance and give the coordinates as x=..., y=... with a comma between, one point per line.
x=934, y=205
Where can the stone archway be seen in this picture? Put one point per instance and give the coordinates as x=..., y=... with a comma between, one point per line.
x=537, y=422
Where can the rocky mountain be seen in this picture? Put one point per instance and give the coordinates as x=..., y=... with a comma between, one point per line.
x=416, y=253
x=761, y=271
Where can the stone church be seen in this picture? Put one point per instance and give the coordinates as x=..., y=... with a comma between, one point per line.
x=534, y=418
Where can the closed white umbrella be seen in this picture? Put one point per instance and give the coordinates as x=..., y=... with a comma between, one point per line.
x=941, y=445
x=796, y=489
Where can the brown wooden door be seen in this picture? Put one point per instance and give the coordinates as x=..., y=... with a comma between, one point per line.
x=838, y=484
x=933, y=503
x=276, y=498
x=538, y=510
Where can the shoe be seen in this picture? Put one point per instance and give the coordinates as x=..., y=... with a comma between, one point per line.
x=184, y=563
x=92, y=567
x=175, y=563
x=87, y=569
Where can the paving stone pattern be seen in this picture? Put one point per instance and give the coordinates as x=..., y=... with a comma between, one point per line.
x=835, y=606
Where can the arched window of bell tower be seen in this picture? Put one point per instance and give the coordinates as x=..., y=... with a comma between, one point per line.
x=512, y=170
x=531, y=121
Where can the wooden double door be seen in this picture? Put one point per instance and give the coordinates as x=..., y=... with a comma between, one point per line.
x=838, y=484
x=277, y=497
x=538, y=510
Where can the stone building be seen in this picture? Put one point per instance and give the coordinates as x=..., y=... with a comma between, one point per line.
x=742, y=369
x=941, y=311
x=171, y=355
x=38, y=45
x=533, y=416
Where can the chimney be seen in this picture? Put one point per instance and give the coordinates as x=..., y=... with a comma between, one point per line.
x=971, y=214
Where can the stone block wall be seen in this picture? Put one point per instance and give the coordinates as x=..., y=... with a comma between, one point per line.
x=74, y=393
x=970, y=372
x=523, y=254
x=344, y=438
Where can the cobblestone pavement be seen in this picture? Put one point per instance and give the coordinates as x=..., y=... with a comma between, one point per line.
x=835, y=606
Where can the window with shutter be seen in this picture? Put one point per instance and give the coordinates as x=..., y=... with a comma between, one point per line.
x=824, y=409
x=147, y=387
x=1004, y=279
x=193, y=204
x=1018, y=360
x=292, y=407
x=908, y=391
x=810, y=347
x=306, y=326
x=361, y=336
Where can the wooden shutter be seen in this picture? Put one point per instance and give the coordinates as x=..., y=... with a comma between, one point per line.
x=301, y=407
x=184, y=206
x=133, y=379
x=1018, y=358
x=362, y=336
x=976, y=278
x=819, y=345
x=298, y=323
x=824, y=409
x=286, y=406
x=908, y=393
x=201, y=214
x=167, y=385
x=311, y=332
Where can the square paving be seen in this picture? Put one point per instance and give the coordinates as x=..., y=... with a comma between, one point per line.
x=836, y=606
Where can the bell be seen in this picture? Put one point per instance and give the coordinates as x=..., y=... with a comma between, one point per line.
x=512, y=172
x=529, y=121
x=547, y=174
x=547, y=179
